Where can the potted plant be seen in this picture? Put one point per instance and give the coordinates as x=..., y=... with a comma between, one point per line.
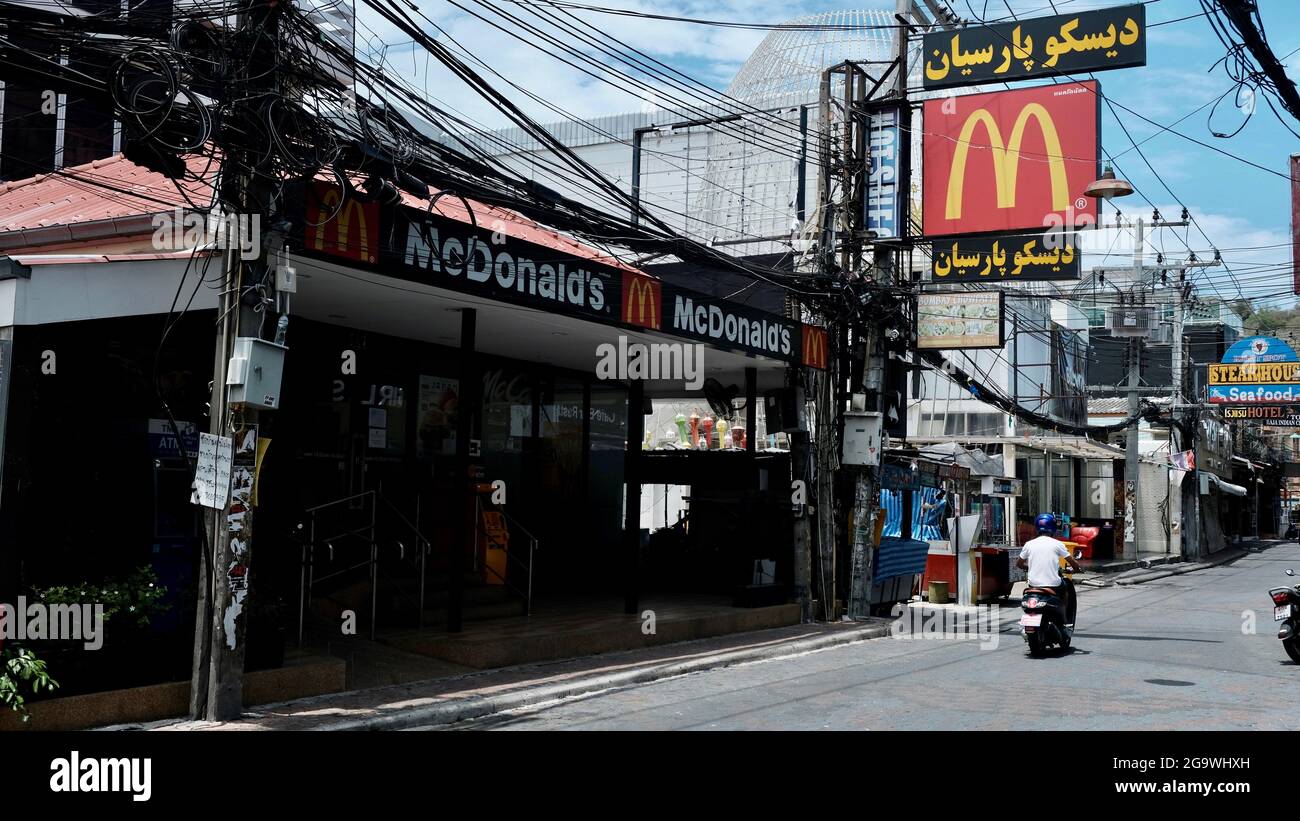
x=22, y=672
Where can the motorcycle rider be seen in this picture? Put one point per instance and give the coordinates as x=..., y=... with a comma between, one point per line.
x=1040, y=557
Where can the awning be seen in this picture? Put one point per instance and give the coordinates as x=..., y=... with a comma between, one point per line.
x=1060, y=445
x=1226, y=487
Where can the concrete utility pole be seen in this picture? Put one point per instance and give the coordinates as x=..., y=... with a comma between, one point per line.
x=1132, y=456
x=216, y=691
x=1132, y=453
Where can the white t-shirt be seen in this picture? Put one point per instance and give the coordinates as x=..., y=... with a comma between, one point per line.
x=1043, y=555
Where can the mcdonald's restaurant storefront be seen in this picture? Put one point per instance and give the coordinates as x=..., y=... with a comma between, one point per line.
x=547, y=330
x=427, y=349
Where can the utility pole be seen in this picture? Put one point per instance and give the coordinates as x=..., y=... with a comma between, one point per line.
x=1132, y=453
x=221, y=622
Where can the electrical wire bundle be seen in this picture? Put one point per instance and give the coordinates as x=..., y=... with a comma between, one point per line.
x=1238, y=25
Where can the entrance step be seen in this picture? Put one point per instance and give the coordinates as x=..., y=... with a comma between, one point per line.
x=479, y=611
x=548, y=636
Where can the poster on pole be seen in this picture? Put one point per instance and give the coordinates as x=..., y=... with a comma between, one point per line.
x=212, y=473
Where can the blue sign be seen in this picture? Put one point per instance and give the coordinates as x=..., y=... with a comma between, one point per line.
x=162, y=439
x=1250, y=394
x=1259, y=349
x=881, y=199
x=894, y=477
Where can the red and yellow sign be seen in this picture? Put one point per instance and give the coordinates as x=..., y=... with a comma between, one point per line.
x=351, y=231
x=815, y=348
x=1011, y=160
x=642, y=301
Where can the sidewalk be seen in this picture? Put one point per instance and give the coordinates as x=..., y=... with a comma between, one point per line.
x=1228, y=554
x=460, y=697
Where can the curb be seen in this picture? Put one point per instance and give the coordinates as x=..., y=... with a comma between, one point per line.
x=453, y=710
x=1191, y=567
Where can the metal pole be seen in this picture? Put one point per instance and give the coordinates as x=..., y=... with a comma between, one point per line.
x=374, y=584
x=1176, y=375
x=1133, y=453
x=423, y=547
x=302, y=592
x=637, y=136
x=532, y=549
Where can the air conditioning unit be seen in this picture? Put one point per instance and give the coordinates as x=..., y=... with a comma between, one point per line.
x=1131, y=320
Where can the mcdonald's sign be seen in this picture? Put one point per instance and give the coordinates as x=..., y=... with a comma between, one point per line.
x=642, y=301
x=815, y=348
x=1011, y=160
x=351, y=231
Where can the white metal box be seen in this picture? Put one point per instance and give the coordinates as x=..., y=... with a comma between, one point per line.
x=862, y=444
x=254, y=373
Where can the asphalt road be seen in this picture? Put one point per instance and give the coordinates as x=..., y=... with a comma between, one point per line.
x=1168, y=654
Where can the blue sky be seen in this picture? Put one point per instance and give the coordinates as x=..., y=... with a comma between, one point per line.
x=1239, y=207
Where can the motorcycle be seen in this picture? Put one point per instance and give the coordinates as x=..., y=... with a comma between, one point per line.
x=1045, y=622
x=1285, y=610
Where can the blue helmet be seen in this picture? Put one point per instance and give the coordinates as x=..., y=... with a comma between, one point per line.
x=1046, y=523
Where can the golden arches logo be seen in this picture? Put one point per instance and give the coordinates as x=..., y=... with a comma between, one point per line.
x=343, y=224
x=1006, y=158
x=814, y=347
x=642, y=293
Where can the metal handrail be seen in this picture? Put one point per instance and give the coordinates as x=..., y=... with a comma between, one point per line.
x=533, y=543
x=307, y=573
x=308, y=578
x=339, y=501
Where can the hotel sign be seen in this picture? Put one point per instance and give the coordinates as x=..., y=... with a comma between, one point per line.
x=1045, y=47
x=1011, y=160
x=1282, y=416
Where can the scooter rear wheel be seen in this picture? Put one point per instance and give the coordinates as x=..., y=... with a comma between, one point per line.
x=1037, y=646
x=1292, y=646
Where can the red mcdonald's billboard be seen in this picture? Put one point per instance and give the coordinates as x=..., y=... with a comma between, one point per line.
x=642, y=301
x=1011, y=160
x=351, y=231
x=814, y=347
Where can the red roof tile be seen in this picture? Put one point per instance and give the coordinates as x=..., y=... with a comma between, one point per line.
x=115, y=187
x=104, y=189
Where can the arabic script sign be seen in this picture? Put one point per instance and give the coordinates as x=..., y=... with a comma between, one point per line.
x=1042, y=47
x=1008, y=256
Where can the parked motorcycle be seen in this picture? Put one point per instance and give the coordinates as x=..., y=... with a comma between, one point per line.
x=1287, y=611
x=1045, y=622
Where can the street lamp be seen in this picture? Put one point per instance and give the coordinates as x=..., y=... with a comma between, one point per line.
x=1108, y=187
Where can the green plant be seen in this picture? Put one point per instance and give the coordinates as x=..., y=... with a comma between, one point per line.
x=136, y=598
x=20, y=669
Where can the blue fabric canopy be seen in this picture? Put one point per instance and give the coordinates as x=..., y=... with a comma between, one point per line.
x=900, y=557
x=925, y=523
